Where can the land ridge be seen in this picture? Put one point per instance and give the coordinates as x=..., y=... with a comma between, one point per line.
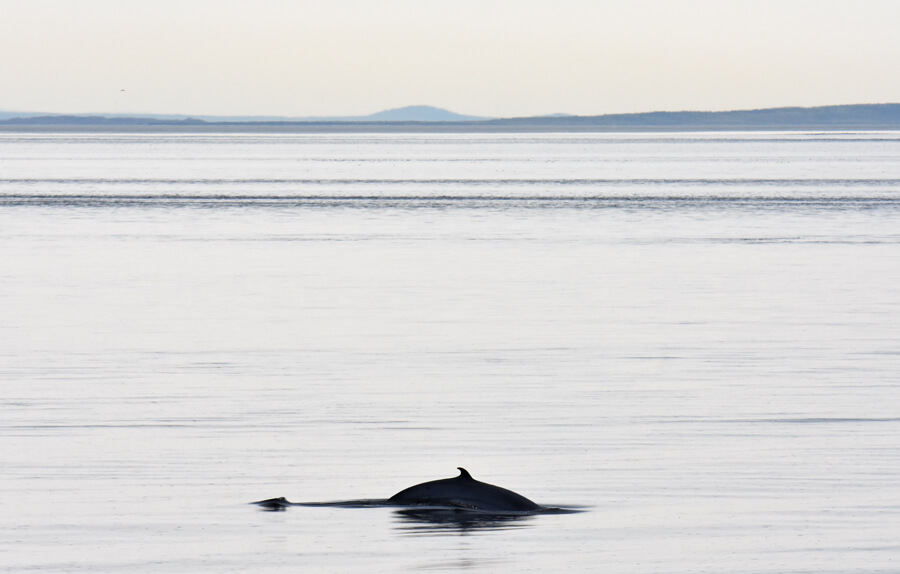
x=852, y=116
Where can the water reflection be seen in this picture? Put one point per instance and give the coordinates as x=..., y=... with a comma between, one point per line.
x=443, y=521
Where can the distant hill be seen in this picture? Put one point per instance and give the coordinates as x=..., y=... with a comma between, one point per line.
x=861, y=115
x=427, y=118
x=8, y=115
x=91, y=120
x=419, y=114
x=404, y=114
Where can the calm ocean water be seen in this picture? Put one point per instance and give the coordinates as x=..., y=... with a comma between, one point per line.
x=693, y=336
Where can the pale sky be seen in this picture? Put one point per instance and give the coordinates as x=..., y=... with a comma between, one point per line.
x=484, y=57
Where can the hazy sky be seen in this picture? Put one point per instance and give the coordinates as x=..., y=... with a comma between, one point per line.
x=484, y=57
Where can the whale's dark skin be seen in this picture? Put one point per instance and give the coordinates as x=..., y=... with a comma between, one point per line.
x=464, y=491
x=461, y=493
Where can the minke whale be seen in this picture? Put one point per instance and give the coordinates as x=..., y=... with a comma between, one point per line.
x=460, y=493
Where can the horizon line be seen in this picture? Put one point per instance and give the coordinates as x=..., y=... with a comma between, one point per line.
x=19, y=114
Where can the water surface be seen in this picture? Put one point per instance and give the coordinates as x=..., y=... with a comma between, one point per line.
x=693, y=335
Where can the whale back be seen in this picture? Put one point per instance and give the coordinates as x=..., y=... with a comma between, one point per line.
x=465, y=492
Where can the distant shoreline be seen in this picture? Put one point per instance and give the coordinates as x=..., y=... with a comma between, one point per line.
x=419, y=128
x=865, y=117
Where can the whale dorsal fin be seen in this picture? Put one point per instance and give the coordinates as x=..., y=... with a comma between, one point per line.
x=464, y=474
